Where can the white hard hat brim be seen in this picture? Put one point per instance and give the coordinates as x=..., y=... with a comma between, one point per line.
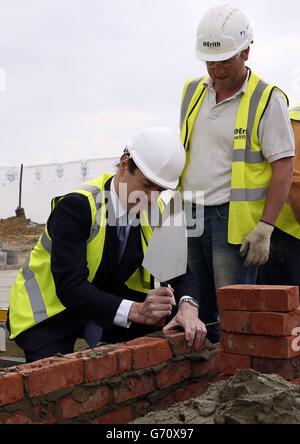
x=215, y=57
x=220, y=57
x=161, y=183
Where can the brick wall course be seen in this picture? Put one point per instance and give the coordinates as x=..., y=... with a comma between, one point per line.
x=107, y=384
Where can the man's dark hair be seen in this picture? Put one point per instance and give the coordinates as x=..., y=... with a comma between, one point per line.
x=131, y=163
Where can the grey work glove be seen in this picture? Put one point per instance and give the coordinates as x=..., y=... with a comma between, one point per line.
x=256, y=246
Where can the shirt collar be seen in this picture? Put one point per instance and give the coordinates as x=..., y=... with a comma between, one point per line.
x=119, y=209
x=243, y=89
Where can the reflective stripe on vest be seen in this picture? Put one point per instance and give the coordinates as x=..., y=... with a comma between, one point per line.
x=97, y=196
x=46, y=242
x=247, y=195
x=191, y=89
x=35, y=295
x=254, y=102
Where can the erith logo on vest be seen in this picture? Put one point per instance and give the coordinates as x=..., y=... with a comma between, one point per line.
x=240, y=133
x=212, y=44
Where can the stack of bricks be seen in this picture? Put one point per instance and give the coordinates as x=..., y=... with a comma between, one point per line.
x=260, y=327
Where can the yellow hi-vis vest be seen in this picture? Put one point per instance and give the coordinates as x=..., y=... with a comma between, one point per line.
x=251, y=173
x=294, y=112
x=33, y=297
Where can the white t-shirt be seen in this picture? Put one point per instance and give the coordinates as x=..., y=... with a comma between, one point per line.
x=211, y=143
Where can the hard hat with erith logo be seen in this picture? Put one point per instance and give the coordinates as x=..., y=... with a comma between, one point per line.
x=223, y=32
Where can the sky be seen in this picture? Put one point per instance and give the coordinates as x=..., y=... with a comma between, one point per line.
x=79, y=77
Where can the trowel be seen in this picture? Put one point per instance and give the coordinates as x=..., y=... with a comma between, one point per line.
x=166, y=256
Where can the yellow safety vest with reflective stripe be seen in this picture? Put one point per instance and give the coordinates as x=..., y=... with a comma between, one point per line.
x=33, y=297
x=251, y=173
x=294, y=112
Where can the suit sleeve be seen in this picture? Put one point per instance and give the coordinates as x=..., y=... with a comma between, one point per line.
x=185, y=285
x=69, y=228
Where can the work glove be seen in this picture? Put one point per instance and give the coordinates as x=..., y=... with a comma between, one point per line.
x=256, y=246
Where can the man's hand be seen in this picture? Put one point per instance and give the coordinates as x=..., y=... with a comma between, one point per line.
x=256, y=246
x=157, y=305
x=187, y=318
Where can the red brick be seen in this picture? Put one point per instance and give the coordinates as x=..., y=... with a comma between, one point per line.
x=236, y=321
x=17, y=418
x=173, y=374
x=258, y=298
x=142, y=407
x=164, y=403
x=133, y=387
x=20, y=417
x=286, y=368
x=44, y=414
x=118, y=416
x=87, y=401
x=52, y=377
x=149, y=351
x=100, y=367
x=259, y=346
x=11, y=389
x=231, y=362
x=124, y=360
x=205, y=367
x=219, y=378
x=178, y=343
x=275, y=324
x=191, y=391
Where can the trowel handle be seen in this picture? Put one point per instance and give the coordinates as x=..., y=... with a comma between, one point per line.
x=162, y=322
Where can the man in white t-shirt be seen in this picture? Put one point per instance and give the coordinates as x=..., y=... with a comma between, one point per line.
x=239, y=143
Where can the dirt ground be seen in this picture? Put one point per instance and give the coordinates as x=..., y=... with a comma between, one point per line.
x=247, y=397
x=21, y=234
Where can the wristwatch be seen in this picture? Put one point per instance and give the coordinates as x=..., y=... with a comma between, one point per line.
x=188, y=299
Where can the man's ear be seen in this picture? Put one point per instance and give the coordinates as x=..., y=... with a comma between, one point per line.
x=245, y=54
x=123, y=166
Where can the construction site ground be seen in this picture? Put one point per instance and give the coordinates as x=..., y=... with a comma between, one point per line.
x=248, y=397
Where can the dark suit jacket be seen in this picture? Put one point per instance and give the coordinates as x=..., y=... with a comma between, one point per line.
x=69, y=227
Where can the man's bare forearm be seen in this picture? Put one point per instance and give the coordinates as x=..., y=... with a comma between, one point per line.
x=278, y=189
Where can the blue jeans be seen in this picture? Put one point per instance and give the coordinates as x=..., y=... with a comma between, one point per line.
x=283, y=266
x=215, y=263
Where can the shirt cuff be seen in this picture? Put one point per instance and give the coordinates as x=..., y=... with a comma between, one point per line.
x=121, y=318
x=282, y=155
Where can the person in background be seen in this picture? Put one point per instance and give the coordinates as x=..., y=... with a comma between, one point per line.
x=283, y=267
x=239, y=142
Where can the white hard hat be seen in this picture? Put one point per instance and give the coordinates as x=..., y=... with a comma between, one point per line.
x=223, y=32
x=159, y=155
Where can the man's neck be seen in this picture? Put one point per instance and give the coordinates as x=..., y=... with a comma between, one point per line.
x=223, y=94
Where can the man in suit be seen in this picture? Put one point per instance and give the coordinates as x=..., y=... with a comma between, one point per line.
x=84, y=278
